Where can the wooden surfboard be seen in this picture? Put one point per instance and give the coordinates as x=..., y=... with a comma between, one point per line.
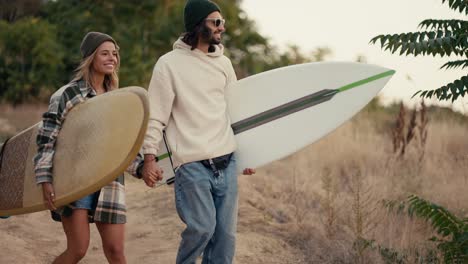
x=98, y=141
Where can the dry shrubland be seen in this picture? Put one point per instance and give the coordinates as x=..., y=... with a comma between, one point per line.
x=323, y=204
x=327, y=198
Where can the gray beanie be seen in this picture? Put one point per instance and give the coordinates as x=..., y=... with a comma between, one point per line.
x=197, y=10
x=92, y=40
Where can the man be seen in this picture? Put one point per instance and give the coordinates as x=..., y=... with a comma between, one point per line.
x=187, y=99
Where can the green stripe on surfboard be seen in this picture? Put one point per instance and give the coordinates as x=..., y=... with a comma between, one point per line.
x=367, y=80
x=163, y=156
x=300, y=104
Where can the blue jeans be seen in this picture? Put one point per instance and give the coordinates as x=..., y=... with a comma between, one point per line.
x=88, y=202
x=208, y=206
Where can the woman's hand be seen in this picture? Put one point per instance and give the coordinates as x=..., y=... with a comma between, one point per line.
x=48, y=195
x=152, y=173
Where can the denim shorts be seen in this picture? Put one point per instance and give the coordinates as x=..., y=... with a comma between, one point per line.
x=88, y=202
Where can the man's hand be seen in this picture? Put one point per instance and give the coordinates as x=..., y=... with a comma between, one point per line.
x=249, y=171
x=152, y=173
x=48, y=195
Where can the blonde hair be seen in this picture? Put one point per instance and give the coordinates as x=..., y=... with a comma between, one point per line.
x=85, y=71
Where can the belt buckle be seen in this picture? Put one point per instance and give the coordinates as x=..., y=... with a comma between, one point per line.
x=213, y=167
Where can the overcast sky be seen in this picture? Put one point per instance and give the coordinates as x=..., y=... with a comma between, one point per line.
x=346, y=26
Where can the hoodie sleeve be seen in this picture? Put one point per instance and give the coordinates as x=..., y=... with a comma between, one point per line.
x=231, y=73
x=161, y=98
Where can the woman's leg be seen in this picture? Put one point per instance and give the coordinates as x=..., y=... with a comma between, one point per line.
x=76, y=229
x=113, y=239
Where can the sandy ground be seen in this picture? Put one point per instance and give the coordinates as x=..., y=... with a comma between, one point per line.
x=152, y=233
x=287, y=214
x=153, y=228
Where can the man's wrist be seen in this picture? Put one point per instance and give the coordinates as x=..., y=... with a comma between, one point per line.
x=150, y=158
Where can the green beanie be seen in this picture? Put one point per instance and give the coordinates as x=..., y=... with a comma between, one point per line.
x=197, y=10
x=91, y=42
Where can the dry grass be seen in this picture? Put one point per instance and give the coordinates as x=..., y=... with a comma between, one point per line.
x=317, y=206
x=15, y=119
x=348, y=172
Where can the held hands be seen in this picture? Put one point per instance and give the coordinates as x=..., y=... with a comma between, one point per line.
x=48, y=195
x=152, y=173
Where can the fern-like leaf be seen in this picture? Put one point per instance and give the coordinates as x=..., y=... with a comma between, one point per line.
x=446, y=224
x=451, y=91
x=453, y=232
x=458, y=5
x=454, y=25
x=426, y=43
x=455, y=64
x=444, y=38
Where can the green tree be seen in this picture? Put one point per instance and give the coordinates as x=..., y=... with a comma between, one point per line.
x=147, y=29
x=11, y=11
x=30, y=61
x=443, y=38
x=73, y=19
x=144, y=29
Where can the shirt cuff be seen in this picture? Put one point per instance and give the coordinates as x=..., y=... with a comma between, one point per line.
x=44, y=179
x=152, y=151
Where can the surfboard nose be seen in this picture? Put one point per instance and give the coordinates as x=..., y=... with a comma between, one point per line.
x=285, y=109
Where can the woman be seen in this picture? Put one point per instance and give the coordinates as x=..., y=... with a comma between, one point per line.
x=96, y=75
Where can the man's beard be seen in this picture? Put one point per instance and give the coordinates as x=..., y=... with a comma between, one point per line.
x=207, y=36
x=214, y=41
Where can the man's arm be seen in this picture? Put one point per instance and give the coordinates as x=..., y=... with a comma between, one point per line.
x=161, y=98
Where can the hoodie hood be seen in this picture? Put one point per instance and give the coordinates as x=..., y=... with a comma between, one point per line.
x=179, y=44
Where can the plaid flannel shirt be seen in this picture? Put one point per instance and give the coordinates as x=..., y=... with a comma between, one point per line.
x=111, y=204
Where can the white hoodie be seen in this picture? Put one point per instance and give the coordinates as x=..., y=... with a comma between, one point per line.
x=186, y=95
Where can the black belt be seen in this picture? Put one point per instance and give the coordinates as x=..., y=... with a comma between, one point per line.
x=218, y=163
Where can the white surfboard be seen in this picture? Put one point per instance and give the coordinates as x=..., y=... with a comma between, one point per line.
x=276, y=113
